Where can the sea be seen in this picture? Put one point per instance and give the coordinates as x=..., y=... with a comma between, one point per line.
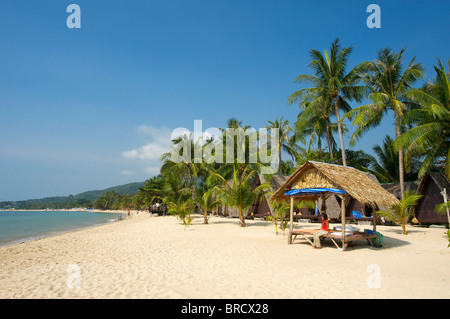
x=21, y=226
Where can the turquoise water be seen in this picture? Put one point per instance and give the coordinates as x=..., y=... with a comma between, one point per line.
x=18, y=226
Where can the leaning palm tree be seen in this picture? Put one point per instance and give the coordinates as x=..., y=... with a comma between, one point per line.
x=390, y=84
x=331, y=79
x=240, y=192
x=285, y=141
x=431, y=136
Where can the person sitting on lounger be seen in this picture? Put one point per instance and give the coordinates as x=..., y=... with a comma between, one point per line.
x=323, y=231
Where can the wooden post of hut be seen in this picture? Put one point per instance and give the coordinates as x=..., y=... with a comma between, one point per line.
x=291, y=219
x=374, y=217
x=343, y=218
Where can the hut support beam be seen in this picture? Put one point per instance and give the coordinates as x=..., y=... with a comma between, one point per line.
x=291, y=221
x=344, y=245
x=374, y=217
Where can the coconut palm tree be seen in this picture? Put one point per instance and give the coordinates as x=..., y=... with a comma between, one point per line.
x=431, y=136
x=314, y=120
x=181, y=159
x=332, y=80
x=240, y=192
x=390, y=84
x=285, y=142
x=206, y=200
x=178, y=198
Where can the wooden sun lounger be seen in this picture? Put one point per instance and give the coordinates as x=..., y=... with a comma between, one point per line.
x=348, y=238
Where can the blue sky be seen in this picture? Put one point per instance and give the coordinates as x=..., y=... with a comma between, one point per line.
x=91, y=108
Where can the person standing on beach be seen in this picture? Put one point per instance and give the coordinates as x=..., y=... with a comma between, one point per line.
x=323, y=231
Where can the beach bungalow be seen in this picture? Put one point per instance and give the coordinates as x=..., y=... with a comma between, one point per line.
x=315, y=180
x=432, y=187
x=261, y=208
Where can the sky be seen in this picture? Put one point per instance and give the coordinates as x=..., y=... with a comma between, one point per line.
x=93, y=107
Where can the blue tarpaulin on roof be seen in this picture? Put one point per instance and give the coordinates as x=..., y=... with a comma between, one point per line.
x=314, y=191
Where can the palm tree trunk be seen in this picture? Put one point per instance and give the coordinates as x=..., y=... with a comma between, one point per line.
x=330, y=147
x=341, y=138
x=400, y=156
x=241, y=217
x=279, y=158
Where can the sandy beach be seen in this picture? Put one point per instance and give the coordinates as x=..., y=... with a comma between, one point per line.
x=154, y=257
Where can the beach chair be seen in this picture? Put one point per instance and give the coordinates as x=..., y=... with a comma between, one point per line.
x=357, y=214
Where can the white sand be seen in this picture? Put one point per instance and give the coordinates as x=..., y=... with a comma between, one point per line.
x=153, y=257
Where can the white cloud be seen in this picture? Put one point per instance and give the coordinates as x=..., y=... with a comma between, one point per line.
x=151, y=151
x=160, y=144
x=126, y=172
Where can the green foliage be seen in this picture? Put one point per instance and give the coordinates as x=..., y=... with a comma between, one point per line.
x=430, y=138
x=285, y=142
x=448, y=235
x=403, y=211
x=150, y=193
x=178, y=199
x=113, y=201
x=241, y=192
x=331, y=89
x=206, y=200
x=280, y=211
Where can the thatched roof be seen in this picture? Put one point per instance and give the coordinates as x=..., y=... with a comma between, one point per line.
x=355, y=182
x=394, y=188
x=440, y=180
x=275, y=182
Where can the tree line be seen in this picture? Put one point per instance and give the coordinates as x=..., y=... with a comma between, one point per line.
x=418, y=144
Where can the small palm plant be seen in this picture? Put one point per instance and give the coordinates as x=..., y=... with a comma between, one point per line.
x=207, y=201
x=281, y=209
x=402, y=212
x=178, y=199
x=240, y=192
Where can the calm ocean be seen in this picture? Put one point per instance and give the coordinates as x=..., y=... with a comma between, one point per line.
x=19, y=226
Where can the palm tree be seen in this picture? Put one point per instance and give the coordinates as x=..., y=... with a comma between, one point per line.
x=178, y=198
x=314, y=120
x=402, y=212
x=331, y=79
x=240, y=193
x=206, y=201
x=390, y=85
x=181, y=159
x=386, y=167
x=431, y=136
x=284, y=140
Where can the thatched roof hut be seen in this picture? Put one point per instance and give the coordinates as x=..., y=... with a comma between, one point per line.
x=263, y=207
x=432, y=187
x=356, y=183
x=314, y=180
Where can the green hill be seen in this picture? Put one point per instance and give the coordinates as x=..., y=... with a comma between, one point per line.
x=129, y=189
x=82, y=198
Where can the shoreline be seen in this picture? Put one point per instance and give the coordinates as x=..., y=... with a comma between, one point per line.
x=23, y=240
x=154, y=257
